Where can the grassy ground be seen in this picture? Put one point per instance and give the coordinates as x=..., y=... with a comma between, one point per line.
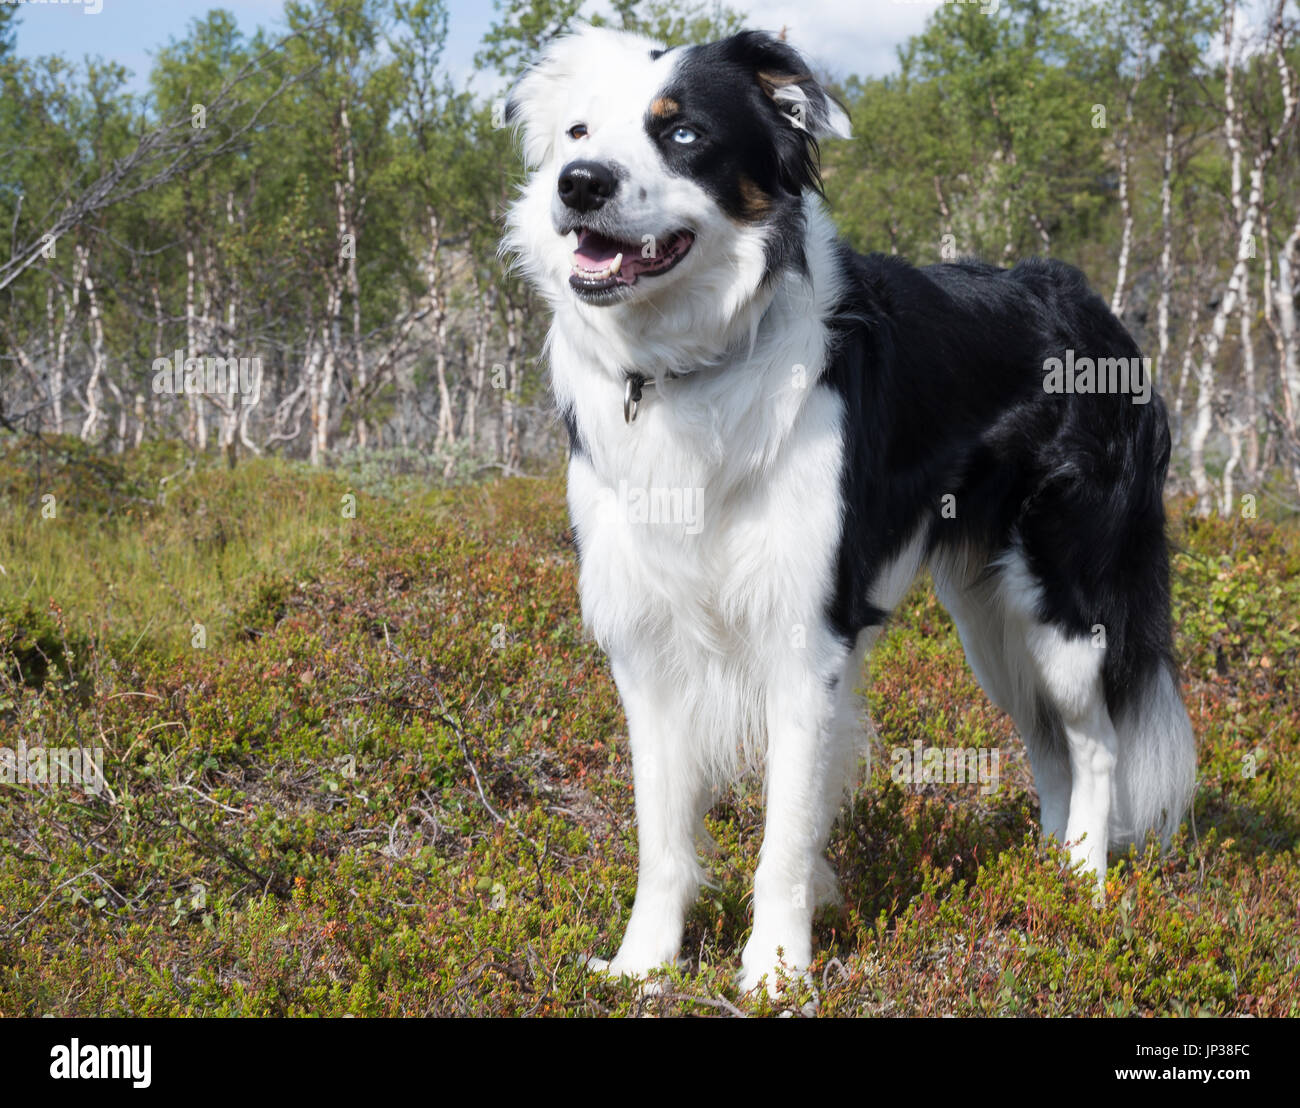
x=370, y=764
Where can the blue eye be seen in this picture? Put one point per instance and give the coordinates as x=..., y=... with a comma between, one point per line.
x=684, y=135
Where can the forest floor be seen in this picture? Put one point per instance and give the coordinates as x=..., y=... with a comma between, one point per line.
x=360, y=758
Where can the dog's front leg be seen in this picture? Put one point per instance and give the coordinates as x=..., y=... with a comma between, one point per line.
x=670, y=802
x=806, y=775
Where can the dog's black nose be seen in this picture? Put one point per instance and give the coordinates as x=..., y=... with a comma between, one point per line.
x=585, y=186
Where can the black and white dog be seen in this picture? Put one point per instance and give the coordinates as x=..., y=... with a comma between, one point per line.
x=771, y=435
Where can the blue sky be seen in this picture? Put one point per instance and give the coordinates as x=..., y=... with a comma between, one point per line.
x=843, y=36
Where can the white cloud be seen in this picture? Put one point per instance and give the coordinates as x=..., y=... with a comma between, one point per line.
x=843, y=36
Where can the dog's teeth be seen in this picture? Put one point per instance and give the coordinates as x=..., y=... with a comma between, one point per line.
x=606, y=271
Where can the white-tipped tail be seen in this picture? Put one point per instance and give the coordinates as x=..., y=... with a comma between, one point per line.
x=1155, y=778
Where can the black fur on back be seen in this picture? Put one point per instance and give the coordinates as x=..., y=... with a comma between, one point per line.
x=941, y=372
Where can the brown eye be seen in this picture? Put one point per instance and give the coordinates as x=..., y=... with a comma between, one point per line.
x=577, y=131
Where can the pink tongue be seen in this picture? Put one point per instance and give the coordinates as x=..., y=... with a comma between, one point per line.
x=597, y=249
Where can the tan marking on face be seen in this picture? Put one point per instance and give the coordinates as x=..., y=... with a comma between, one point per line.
x=756, y=202
x=665, y=106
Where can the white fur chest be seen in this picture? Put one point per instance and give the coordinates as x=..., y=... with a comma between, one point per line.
x=708, y=528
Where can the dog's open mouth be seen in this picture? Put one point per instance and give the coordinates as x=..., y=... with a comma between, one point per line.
x=601, y=263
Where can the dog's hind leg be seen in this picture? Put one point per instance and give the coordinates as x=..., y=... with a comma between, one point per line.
x=671, y=798
x=1072, y=679
x=996, y=649
x=1049, y=759
x=1067, y=672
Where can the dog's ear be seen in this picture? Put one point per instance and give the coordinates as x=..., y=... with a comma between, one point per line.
x=800, y=110
x=786, y=79
x=525, y=110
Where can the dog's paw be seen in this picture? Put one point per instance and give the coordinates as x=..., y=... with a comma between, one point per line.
x=651, y=942
x=777, y=980
x=592, y=964
x=750, y=980
x=781, y=985
x=638, y=969
x=623, y=971
x=774, y=966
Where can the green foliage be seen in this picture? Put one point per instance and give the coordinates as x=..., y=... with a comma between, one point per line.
x=999, y=136
x=522, y=30
x=8, y=30
x=524, y=27
x=397, y=784
x=1008, y=150
x=679, y=23
x=140, y=552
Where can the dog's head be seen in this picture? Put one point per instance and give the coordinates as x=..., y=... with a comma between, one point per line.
x=665, y=175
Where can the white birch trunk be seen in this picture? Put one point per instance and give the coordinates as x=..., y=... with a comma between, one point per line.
x=94, y=395
x=1166, y=240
